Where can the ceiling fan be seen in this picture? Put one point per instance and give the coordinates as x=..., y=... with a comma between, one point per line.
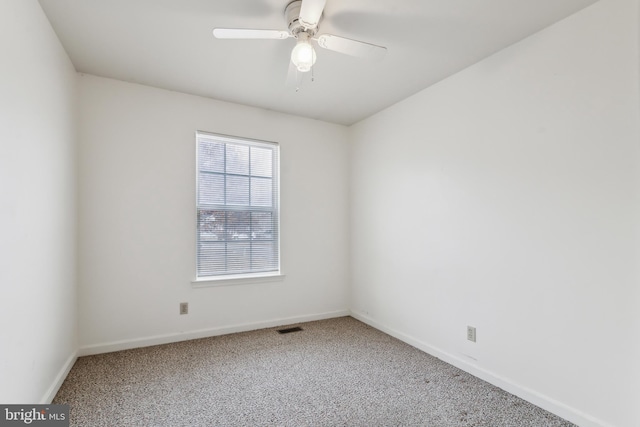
x=302, y=19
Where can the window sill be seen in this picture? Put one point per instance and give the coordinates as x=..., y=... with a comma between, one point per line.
x=240, y=279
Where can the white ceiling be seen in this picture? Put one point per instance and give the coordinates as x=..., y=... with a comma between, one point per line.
x=169, y=44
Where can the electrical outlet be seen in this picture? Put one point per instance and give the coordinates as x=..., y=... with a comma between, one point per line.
x=184, y=308
x=471, y=333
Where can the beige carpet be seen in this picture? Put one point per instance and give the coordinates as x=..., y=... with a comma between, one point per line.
x=337, y=372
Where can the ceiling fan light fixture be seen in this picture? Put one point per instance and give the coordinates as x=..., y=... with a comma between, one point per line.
x=303, y=55
x=302, y=18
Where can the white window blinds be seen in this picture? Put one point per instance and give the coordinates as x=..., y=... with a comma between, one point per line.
x=237, y=206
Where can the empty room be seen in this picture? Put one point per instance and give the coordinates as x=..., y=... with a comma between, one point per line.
x=320, y=212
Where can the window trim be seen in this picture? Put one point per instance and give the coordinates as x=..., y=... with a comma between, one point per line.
x=238, y=278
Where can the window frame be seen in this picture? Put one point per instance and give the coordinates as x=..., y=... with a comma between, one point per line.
x=240, y=277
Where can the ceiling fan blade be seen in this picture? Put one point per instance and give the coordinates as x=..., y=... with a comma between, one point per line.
x=351, y=47
x=240, y=33
x=310, y=12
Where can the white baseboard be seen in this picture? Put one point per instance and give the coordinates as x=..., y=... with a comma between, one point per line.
x=203, y=333
x=57, y=383
x=558, y=408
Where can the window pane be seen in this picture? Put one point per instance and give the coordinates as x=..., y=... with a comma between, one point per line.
x=238, y=225
x=238, y=257
x=262, y=225
x=211, y=225
x=237, y=159
x=264, y=256
x=211, y=156
x=211, y=189
x=261, y=162
x=237, y=190
x=211, y=258
x=261, y=192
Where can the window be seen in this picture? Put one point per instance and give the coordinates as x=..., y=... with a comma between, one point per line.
x=237, y=207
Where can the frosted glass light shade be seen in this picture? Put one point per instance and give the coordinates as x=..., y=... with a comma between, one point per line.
x=303, y=56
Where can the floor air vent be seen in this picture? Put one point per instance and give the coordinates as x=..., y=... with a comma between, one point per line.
x=289, y=330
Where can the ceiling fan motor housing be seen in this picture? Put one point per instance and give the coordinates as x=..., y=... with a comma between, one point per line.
x=292, y=17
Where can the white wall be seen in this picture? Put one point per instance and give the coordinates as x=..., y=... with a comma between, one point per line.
x=137, y=218
x=37, y=206
x=505, y=197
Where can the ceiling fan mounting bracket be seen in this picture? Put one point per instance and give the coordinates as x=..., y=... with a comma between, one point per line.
x=292, y=18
